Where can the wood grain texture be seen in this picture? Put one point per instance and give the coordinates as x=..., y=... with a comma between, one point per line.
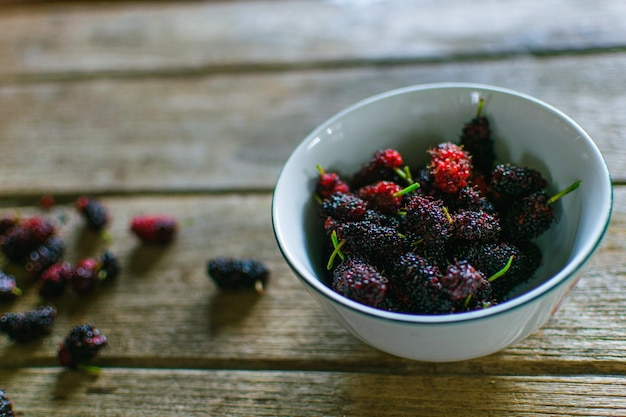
x=113, y=38
x=124, y=392
x=165, y=312
x=234, y=132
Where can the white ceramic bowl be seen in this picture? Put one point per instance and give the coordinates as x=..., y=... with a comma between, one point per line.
x=527, y=131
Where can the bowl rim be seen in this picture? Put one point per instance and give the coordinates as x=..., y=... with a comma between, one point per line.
x=555, y=281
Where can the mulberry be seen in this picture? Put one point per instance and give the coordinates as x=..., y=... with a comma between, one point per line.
x=93, y=211
x=30, y=325
x=234, y=274
x=450, y=166
x=476, y=139
x=360, y=282
x=82, y=344
x=516, y=181
x=384, y=165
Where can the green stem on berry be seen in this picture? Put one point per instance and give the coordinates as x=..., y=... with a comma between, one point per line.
x=16, y=291
x=90, y=369
x=502, y=271
x=259, y=287
x=406, y=190
x=568, y=190
x=317, y=198
x=481, y=104
x=404, y=173
x=337, y=251
x=447, y=213
x=320, y=169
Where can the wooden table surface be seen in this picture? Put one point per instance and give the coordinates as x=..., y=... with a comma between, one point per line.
x=191, y=109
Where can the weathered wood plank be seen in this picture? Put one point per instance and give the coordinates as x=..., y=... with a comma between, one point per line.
x=164, y=311
x=235, y=131
x=124, y=392
x=66, y=37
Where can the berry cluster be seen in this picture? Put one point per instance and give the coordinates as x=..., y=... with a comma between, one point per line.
x=457, y=237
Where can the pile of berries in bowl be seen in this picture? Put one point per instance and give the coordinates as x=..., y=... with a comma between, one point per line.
x=442, y=222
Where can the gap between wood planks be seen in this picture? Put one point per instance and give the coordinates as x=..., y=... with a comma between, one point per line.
x=251, y=67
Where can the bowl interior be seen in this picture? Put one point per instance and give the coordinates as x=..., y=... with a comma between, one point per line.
x=526, y=131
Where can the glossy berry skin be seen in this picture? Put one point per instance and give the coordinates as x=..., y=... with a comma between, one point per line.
x=30, y=325
x=475, y=226
x=516, y=181
x=85, y=276
x=461, y=280
x=344, y=207
x=415, y=285
x=476, y=140
x=82, y=344
x=8, y=288
x=426, y=216
x=360, y=282
x=235, y=274
x=450, y=167
x=93, y=211
x=6, y=406
x=154, y=229
x=52, y=281
x=529, y=218
x=365, y=239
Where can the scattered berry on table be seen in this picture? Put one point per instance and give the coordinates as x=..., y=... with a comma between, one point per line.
x=450, y=166
x=85, y=275
x=46, y=202
x=25, y=236
x=477, y=141
x=82, y=344
x=30, y=325
x=109, y=266
x=154, y=228
x=6, y=406
x=8, y=220
x=93, y=211
x=45, y=255
x=238, y=273
x=9, y=290
x=52, y=281
x=360, y=282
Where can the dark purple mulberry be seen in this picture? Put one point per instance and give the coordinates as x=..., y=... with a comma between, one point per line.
x=476, y=139
x=528, y=218
x=109, y=266
x=25, y=236
x=516, y=181
x=461, y=280
x=93, y=211
x=365, y=239
x=415, y=284
x=45, y=255
x=429, y=218
x=344, y=207
x=475, y=226
x=360, y=282
x=235, y=274
x=30, y=325
x=82, y=344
